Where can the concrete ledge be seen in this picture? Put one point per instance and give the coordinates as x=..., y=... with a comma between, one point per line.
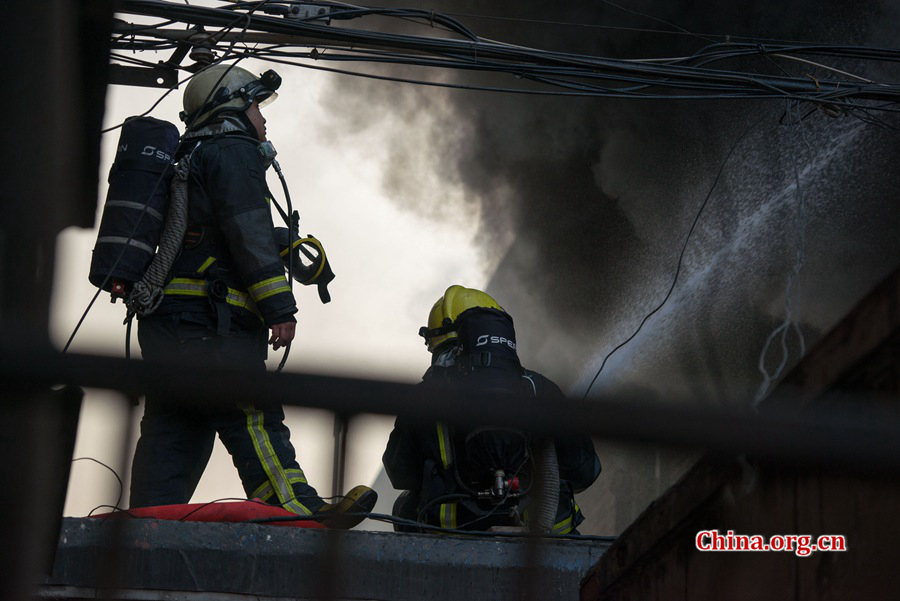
x=152, y=559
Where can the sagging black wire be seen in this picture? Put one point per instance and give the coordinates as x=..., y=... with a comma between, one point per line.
x=680, y=255
x=203, y=506
x=653, y=18
x=81, y=319
x=116, y=510
x=114, y=473
x=289, y=219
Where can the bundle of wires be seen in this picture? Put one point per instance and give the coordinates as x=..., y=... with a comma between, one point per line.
x=699, y=75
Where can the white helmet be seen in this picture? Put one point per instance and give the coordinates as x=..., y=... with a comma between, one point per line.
x=222, y=88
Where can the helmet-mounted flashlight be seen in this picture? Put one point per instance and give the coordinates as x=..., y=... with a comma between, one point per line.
x=270, y=79
x=263, y=89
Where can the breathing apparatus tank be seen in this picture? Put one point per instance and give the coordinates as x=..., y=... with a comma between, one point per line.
x=136, y=203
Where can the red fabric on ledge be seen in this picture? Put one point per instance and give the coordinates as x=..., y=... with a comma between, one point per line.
x=226, y=511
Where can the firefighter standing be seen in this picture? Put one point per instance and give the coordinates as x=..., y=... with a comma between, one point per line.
x=444, y=470
x=226, y=298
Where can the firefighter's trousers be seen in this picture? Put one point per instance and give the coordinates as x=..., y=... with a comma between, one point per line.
x=177, y=437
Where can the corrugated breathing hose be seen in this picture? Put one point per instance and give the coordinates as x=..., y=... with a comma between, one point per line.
x=546, y=476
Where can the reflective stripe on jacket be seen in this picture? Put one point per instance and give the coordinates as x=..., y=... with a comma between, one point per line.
x=236, y=244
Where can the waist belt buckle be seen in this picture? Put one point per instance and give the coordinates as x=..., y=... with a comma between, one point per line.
x=217, y=290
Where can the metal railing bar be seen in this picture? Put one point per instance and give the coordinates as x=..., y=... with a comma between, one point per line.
x=840, y=435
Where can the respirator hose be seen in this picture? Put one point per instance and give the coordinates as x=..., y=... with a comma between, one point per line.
x=290, y=226
x=546, y=473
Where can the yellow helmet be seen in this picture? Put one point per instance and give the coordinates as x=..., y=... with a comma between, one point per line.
x=225, y=88
x=442, y=319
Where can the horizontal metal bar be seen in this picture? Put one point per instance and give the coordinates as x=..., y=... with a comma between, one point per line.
x=153, y=77
x=858, y=436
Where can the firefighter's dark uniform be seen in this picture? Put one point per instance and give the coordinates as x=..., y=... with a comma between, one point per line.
x=227, y=287
x=425, y=459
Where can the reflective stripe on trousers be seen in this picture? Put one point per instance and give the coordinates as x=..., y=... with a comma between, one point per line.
x=443, y=434
x=566, y=525
x=265, y=491
x=448, y=515
x=271, y=465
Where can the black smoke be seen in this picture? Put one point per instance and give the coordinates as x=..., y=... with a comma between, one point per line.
x=597, y=195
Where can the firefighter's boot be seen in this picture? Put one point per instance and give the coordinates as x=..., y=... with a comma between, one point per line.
x=349, y=511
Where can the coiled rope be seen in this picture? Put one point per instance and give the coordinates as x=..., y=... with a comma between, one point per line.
x=147, y=294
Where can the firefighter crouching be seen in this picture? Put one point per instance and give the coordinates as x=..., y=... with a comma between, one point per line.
x=479, y=478
x=226, y=293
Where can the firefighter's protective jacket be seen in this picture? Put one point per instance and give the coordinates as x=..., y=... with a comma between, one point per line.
x=229, y=261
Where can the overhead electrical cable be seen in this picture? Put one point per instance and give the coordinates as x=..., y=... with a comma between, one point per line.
x=663, y=77
x=652, y=18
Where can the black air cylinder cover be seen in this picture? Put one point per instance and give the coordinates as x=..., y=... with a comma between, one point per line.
x=136, y=202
